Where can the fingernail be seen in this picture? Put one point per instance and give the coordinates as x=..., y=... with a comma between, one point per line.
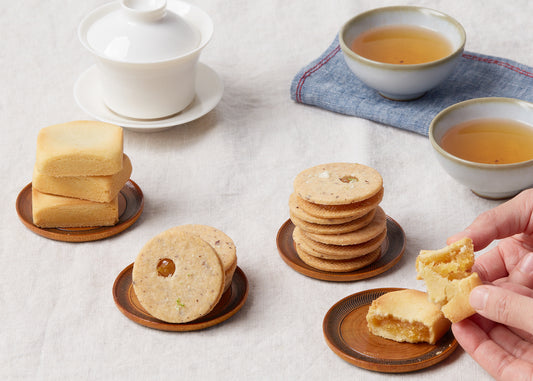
x=526, y=265
x=478, y=298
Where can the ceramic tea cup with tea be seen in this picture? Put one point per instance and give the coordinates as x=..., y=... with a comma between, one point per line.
x=147, y=54
x=402, y=51
x=486, y=144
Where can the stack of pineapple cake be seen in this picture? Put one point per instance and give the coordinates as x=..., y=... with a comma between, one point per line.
x=79, y=171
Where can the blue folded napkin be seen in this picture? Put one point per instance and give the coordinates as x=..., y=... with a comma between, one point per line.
x=327, y=82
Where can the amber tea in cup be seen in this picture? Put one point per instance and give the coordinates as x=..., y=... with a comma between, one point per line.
x=490, y=141
x=402, y=45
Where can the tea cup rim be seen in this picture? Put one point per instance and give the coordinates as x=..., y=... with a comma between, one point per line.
x=399, y=67
x=466, y=103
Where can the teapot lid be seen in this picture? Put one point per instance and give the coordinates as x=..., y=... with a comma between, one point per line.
x=139, y=31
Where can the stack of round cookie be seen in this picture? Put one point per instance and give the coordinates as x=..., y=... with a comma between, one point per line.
x=339, y=225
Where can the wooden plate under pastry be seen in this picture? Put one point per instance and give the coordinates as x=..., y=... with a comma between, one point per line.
x=346, y=333
x=231, y=301
x=392, y=250
x=130, y=207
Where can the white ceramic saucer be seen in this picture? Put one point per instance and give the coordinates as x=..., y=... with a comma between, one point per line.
x=88, y=95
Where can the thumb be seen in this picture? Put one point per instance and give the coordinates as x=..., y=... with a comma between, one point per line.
x=503, y=306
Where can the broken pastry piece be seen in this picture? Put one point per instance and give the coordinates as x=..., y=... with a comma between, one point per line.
x=406, y=316
x=449, y=278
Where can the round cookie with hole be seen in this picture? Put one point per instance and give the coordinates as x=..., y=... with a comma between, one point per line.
x=322, y=250
x=353, y=210
x=178, y=277
x=346, y=227
x=343, y=265
x=295, y=210
x=365, y=234
x=223, y=245
x=337, y=183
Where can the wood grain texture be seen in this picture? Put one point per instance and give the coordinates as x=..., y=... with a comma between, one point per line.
x=230, y=303
x=347, y=334
x=130, y=207
x=392, y=250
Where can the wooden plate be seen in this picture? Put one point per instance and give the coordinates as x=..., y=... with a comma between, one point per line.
x=347, y=334
x=392, y=250
x=231, y=302
x=130, y=207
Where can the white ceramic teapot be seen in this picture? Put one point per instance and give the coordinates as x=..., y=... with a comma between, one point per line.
x=147, y=53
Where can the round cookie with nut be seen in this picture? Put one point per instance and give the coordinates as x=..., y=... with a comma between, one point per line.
x=223, y=245
x=346, y=227
x=297, y=211
x=353, y=210
x=344, y=265
x=365, y=234
x=178, y=277
x=337, y=183
x=326, y=251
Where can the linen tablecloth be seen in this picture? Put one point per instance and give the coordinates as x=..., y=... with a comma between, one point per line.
x=231, y=169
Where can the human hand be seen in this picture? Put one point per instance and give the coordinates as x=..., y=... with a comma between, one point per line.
x=500, y=337
x=511, y=223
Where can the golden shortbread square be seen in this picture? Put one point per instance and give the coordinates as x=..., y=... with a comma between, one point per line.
x=79, y=148
x=92, y=188
x=50, y=211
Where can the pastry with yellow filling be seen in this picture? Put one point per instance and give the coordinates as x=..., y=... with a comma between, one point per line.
x=449, y=279
x=406, y=316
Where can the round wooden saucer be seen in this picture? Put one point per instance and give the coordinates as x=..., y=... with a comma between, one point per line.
x=231, y=302
x=346, y=333
x=130, y=207
x=392, y=250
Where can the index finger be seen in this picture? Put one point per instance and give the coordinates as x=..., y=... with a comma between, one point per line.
x=502, y=262
x=507, y=219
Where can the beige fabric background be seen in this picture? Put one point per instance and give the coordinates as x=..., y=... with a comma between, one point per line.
x=232, y=169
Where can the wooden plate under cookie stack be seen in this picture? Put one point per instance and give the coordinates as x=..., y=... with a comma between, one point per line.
x=339, y=227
